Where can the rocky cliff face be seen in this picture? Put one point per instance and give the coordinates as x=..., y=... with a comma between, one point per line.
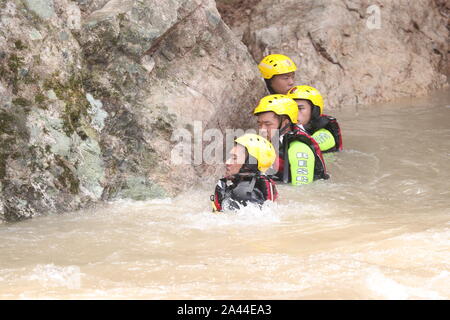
x=91, y=92
x=354, y=52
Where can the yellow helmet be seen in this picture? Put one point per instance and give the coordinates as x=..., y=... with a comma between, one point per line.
x=280, y=104
x=274, y=64
x=307, y=93
x=259, y=148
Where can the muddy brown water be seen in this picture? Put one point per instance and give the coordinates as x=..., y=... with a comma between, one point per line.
x=378, y=229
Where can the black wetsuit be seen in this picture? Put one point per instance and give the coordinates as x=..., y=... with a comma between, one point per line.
x=241, y=189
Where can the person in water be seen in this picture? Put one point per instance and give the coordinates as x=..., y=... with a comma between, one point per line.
x=299, y=158
x=278, y=72
x=323, y=128
x=245, y=180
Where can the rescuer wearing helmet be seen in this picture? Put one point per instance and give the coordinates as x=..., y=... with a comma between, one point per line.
x=278, y=71
x=245, y=181
x=323, y=128
x=299, y=158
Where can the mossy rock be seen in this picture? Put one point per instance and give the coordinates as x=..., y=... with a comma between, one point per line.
x=22, y=102
x=73, y=94
x=20, y=45
x=10, y=66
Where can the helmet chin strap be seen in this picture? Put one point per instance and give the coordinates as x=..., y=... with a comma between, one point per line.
x=282, y=129
x=315, y=114
x=269, y=86
x=315, y=121
x=248, y=166
x=288, y=126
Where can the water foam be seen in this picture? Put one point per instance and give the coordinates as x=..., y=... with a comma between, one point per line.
x=50, y=275
x=251, y=215
x=388, y=288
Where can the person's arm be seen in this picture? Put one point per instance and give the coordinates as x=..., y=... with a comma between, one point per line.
x=301, y=162
x=325, y=139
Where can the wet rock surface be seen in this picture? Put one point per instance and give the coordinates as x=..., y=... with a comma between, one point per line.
x=91, y=92
x=354, y=52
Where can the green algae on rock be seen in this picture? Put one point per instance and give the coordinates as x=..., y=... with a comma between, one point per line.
x=88, y=100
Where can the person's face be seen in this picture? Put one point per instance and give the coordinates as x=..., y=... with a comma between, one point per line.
x=235, y=161
x=268, y=124
x=281, y=83
x=304, y=111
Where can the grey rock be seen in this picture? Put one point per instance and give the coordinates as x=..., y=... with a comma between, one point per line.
x=92, y=117
x=98, y=114
x=42, y=8
x=340, y=49
x=35, y=34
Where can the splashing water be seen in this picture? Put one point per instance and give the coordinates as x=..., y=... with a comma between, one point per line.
x=378, y=229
